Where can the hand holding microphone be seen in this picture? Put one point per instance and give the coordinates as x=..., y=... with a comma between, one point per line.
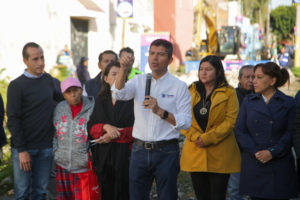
x=149, y=102
x=148, y=85
x=148, y=98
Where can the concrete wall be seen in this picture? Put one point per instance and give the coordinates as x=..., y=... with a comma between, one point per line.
x=184, y=28
x=21, y=23
x=47, y=22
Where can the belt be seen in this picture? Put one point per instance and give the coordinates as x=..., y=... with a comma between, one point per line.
x=154, y=145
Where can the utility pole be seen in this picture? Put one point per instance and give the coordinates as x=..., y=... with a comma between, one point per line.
x=297, y=45
x=267, y=40
x=123, y=32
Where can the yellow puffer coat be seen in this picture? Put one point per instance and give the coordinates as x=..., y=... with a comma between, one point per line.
x=221, y=154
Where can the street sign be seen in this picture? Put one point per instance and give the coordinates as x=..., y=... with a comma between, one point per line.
x=125, y=8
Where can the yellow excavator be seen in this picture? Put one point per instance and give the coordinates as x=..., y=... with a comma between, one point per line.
x=221, y=43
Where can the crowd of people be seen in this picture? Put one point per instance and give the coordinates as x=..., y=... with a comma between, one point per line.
x=112, y=136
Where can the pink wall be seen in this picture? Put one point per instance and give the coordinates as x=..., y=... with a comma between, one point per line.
x=176, y=17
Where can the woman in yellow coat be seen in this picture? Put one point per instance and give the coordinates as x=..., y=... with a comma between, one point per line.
x=210, y=152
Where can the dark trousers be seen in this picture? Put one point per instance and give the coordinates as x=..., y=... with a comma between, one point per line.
x=210, y=186
x=161, y=165
x=52, y=193
x=255, y=198
x=37, y=178
x=111, y=190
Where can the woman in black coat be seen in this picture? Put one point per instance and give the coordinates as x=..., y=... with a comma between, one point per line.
x=110, y=126
x=263, y=130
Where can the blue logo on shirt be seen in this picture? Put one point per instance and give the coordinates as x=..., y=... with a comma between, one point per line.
x=167, y=95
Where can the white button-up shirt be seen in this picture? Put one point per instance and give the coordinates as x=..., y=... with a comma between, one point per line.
x=172, y=95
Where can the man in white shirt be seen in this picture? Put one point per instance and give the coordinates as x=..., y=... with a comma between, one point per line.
x=158, y=119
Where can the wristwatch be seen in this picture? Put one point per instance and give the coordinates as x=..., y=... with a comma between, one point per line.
x=165, y=115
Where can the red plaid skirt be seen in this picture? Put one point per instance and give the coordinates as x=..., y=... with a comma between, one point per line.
x=77, y=186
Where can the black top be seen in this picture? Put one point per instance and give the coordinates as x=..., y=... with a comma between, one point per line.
x=201, y=119
x=30, y=106
x=120, y=115
x=92, y=86
x=241, y=93
x=111, y=160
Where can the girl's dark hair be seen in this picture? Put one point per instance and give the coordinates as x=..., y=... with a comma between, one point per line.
x=105, y=87
x=216, y=62
x=273, y=70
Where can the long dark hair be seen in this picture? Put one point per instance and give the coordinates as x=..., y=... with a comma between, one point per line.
x=216, y=62
x=273, y=70
x=82, y=60
x=105, y=87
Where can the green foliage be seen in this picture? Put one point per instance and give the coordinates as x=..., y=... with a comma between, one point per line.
x=6, y=170
x=282, y=22
x=60, y=72
x=253, y=9
x=296, y=71
x=3, y=85
x=181, y=69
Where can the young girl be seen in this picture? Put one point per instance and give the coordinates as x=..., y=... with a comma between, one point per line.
x=70, y=143
x=111, y=127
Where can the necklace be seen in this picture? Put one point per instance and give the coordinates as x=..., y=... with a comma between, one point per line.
x=203, y=110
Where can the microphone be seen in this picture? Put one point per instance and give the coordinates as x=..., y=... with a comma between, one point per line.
x=148, y=84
